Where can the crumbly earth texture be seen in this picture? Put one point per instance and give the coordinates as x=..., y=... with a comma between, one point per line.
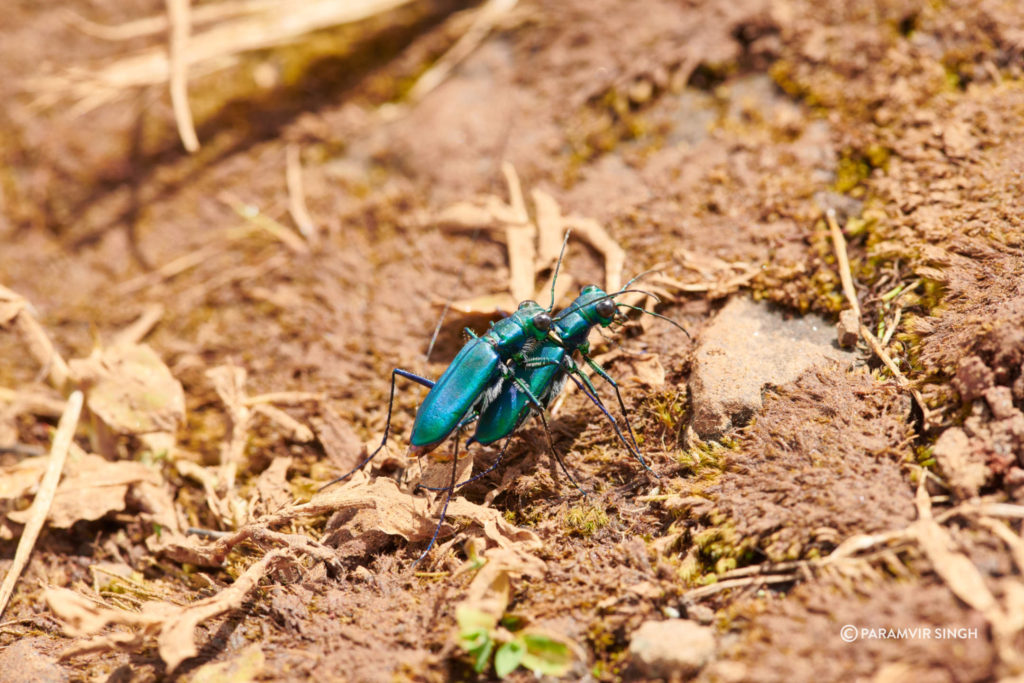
x=708, y=138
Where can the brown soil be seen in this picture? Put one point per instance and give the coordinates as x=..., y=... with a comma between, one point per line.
x=697, y=130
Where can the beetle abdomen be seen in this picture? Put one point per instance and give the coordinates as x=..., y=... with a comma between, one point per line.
x=454, y=395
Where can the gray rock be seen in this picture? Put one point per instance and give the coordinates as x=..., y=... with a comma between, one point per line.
x=747, y=347
x=671, y=649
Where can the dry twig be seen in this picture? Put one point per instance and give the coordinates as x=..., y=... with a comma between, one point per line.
x=269, y=25
x=47, y=488
x=16, y=312
x=486, y=17
x=842, y=261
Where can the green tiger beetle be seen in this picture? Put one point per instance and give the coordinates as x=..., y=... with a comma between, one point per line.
x=547, y=368
x=519, y=364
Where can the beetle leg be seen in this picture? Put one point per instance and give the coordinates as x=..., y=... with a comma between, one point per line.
x=490, y=468
x=622, y=406
x=558, y=458
x=523, y=387
x=586, y=386
x=396, y=372
x=447, y=497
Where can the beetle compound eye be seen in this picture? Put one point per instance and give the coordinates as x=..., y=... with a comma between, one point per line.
x=542, y=321
x=605, y=308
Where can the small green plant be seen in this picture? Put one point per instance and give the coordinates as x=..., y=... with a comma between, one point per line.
x=481, y=635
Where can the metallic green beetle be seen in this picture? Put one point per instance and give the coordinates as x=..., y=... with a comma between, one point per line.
x=547, y=368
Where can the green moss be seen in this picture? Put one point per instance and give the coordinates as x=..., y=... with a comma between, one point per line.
x=924, y=456
x=584, y=520
x=783, y=72
x=690, y=569
x=850, y=172
x=705, y=460
x=668, y=409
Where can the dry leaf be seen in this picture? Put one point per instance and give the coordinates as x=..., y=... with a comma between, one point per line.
x=645, y=369
x=11, y=304
x=340, y=442
x=21, y=478
x=247, y=665
x=293, y=429
x=437, y=473
x=229, y=382
x=91, y=488
x=272, y=486
x=399, y=514
x=192, y=550
x=495, y=526
x=131, y=390
x=172, y=626
x=490, y=590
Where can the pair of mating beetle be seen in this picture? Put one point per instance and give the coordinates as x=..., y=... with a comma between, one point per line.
x=517, y=367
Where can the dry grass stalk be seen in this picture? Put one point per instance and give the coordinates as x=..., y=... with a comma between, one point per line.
x=178, y=16
x=137, y=331
x=273, y=25
x=485, y=19
x=169, y=270
x=285, y=397
x=16, y=312
x=842, y=261
x=47, y=489
x=252, y=215
x=846, y=276
x=718, y=587
x=297, y=194
x=140, y=28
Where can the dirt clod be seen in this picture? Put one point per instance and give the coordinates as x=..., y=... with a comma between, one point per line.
x=672, y=649
x=848, y=329
x=973, y=378
x=1000, y=402
x=22, y=662
x=964, y=467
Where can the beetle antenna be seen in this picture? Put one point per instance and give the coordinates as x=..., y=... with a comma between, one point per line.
x=642, y=291
x=637, y=277
x=558, y=264
x=657, y=315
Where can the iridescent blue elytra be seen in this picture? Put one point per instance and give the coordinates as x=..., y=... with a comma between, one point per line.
x=463, y=388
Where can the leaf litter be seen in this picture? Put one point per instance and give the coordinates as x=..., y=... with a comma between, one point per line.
x=730, y=209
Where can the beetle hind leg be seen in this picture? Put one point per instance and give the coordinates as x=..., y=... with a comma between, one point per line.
x=396, y=372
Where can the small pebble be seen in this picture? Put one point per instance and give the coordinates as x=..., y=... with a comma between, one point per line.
x=675, y=647
x=848, y=329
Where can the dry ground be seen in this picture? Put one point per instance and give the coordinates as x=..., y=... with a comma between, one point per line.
x=705, y=136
